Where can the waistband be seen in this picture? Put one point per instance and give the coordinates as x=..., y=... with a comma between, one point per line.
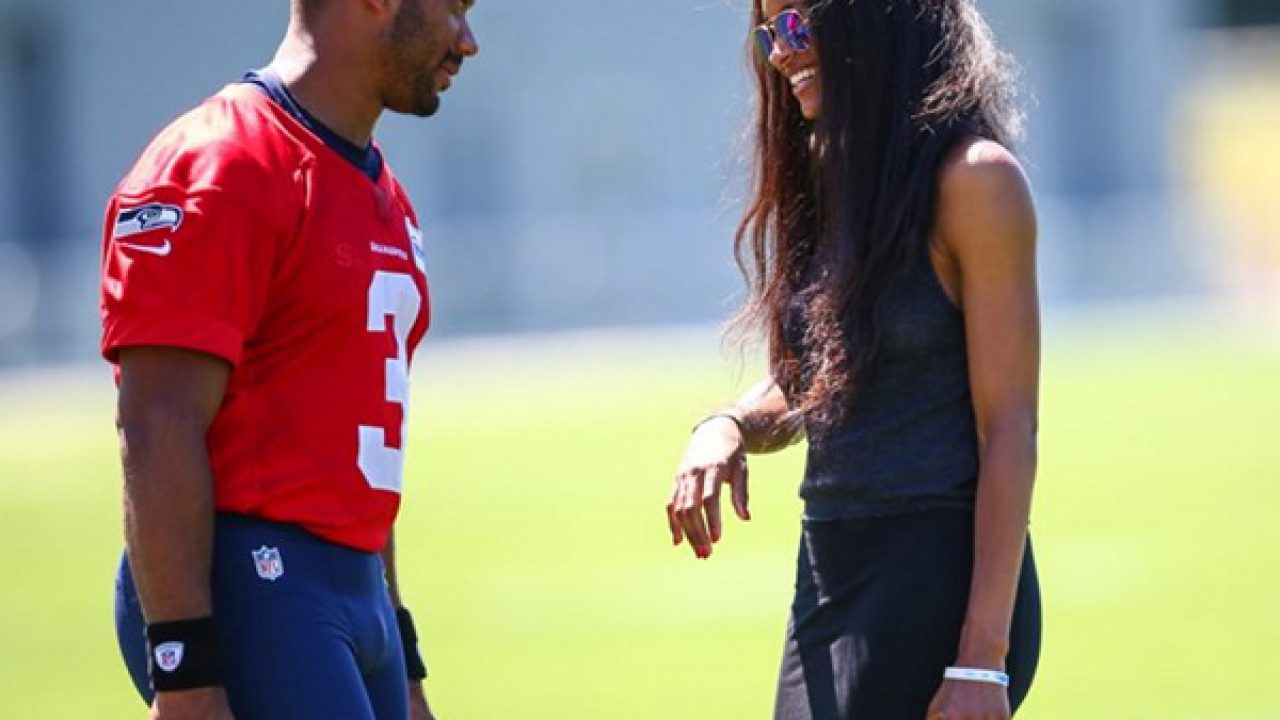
x=837, y=507
x=286, y=550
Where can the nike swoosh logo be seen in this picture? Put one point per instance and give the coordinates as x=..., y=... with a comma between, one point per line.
x=163, y=249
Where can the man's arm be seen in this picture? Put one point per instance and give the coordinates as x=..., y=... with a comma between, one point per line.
x=419, y=708
x=167, y=399
x=389, y=566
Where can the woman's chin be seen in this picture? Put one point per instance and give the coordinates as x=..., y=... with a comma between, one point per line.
x=810, y=101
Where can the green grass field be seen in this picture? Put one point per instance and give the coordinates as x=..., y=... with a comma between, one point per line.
x=535, y=553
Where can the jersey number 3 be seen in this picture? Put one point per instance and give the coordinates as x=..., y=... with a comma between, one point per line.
x=390, y=294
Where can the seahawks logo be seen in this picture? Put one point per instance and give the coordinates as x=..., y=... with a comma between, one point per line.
x=145, y=218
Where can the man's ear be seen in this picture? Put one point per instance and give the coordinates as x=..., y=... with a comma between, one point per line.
x=382, y=8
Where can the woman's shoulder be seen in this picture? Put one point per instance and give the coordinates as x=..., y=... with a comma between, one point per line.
x=983, y=195
x=979, y=169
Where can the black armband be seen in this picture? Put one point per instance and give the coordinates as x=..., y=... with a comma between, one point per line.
x=413, y=665
x=184, y=655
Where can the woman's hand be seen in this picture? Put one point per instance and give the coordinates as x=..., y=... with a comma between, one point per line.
x=715, y=456
x=962, y=700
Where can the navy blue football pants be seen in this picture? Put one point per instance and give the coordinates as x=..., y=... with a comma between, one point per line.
x=318, y=641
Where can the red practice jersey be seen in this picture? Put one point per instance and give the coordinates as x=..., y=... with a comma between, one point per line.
x=241, y=234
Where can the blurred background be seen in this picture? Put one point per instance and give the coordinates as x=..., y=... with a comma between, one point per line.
x=584, y=170
x=578, y=192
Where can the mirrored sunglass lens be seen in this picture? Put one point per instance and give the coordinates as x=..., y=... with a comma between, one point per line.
x=793, y=30
x=764, y=42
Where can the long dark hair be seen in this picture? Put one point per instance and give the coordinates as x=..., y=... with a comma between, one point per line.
x=853, y=193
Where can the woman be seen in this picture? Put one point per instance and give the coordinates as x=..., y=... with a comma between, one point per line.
x=890, y=253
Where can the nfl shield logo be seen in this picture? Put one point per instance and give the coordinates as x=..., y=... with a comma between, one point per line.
x=266, y=560
x=169, y=656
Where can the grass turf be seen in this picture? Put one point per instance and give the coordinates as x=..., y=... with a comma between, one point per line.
x=536, y=557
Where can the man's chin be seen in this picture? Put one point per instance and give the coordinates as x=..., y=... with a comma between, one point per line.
x=428, y=107
x=423, y=106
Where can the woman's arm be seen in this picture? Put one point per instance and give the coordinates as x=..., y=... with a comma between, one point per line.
x=760, y=422
x=987, y=232
x=767, y=423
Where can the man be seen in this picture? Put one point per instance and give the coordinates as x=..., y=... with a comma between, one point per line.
x=262, y=293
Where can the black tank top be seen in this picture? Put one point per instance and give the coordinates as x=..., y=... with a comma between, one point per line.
x=908, y=440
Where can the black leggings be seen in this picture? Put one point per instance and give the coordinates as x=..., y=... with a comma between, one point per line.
x=877, y=615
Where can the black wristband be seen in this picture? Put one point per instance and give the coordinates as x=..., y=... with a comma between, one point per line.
x=183, y=655
x=413, y=665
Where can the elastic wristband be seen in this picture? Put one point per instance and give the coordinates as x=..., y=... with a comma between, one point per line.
x=413, y=665
x=742, y=430
x=184, y=655
x=993, y=677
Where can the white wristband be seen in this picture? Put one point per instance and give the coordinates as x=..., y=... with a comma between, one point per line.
x=994, y=677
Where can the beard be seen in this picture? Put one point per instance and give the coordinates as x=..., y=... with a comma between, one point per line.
x=414, y=57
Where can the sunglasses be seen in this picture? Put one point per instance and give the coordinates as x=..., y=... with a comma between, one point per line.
x=790, y=27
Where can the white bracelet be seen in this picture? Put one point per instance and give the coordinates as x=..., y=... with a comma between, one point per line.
x=995, y=677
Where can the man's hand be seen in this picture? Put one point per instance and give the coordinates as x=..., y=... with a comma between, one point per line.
x=418, y=707
x=200, y=704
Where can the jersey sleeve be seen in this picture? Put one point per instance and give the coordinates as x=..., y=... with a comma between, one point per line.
x=187, y=267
